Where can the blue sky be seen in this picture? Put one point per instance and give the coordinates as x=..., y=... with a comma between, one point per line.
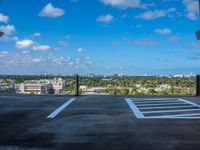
x=99, y=36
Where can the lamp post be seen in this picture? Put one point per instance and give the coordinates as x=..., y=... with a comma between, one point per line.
x=1, y=33
x=198, y=32
x=77, y=85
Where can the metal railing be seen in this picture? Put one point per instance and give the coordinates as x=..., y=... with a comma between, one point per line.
x=120, y=85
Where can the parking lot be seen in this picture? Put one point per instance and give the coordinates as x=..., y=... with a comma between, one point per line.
x=99, y=122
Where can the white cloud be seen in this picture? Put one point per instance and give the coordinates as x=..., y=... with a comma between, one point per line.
x=80, y=50
x=149, y=15
x=191, y=8
x=26, y=43
x=50, y=11
x=144, y=42
x=25, y=52
x=122, y=3
x=8, y=29
x=3, y=54
x=36, y=34
x=63, y=43
x=163, y=31
x=41, y=48
x=193, y=45
x=8, y=38
x=37, y=60
x=106, y=18
x=4, y=18
x=173, y=38
x=19, y=63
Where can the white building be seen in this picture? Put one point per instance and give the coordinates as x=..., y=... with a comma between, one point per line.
x=56, y=85
x=35, y=87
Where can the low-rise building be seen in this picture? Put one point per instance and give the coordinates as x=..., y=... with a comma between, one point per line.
x=56, y=85
x=7, y=86
x=35, y=87
x=92, y=89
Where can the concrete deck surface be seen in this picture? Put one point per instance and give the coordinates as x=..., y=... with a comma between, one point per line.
x=89, y=123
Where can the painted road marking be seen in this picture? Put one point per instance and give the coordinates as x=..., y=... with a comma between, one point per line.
x=166, y=111
x=178, y=108
x=58, y=110
x=134, y=108
x=174, y=103
x=157, y=99
x=167, y=107
x=147, y=102
x=187, y=116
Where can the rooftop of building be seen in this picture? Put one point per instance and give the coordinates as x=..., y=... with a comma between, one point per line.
x=93, y=122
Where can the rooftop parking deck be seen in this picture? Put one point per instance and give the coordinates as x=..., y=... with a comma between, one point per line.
x=97, y=122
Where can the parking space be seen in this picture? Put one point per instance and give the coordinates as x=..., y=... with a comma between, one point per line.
x=164, y=108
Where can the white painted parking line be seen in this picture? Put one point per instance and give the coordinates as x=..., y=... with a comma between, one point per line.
x=154, y=99
x=58, y=110
x=182, y=116
x=150, y=102
x=174, y=103
x=188, y=102
x=167, y=111
x=134, y=108
x=155, y=108
x=167, y=107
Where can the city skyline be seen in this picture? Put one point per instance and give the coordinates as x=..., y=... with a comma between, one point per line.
x=99, y=37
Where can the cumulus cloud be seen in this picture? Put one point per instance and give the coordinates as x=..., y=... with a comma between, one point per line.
x=191, y=8
x=50, y=11
x=149, y=15
x=27, y=63
x=26, y=43
x=80, y=50
x=105, y=18
x=8, y=29
x=122, y=3
x=3, y=53
x=163, y=31
x=40, y=48
x=4, y=18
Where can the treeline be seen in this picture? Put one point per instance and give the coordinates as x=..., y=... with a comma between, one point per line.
x=132, y=85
